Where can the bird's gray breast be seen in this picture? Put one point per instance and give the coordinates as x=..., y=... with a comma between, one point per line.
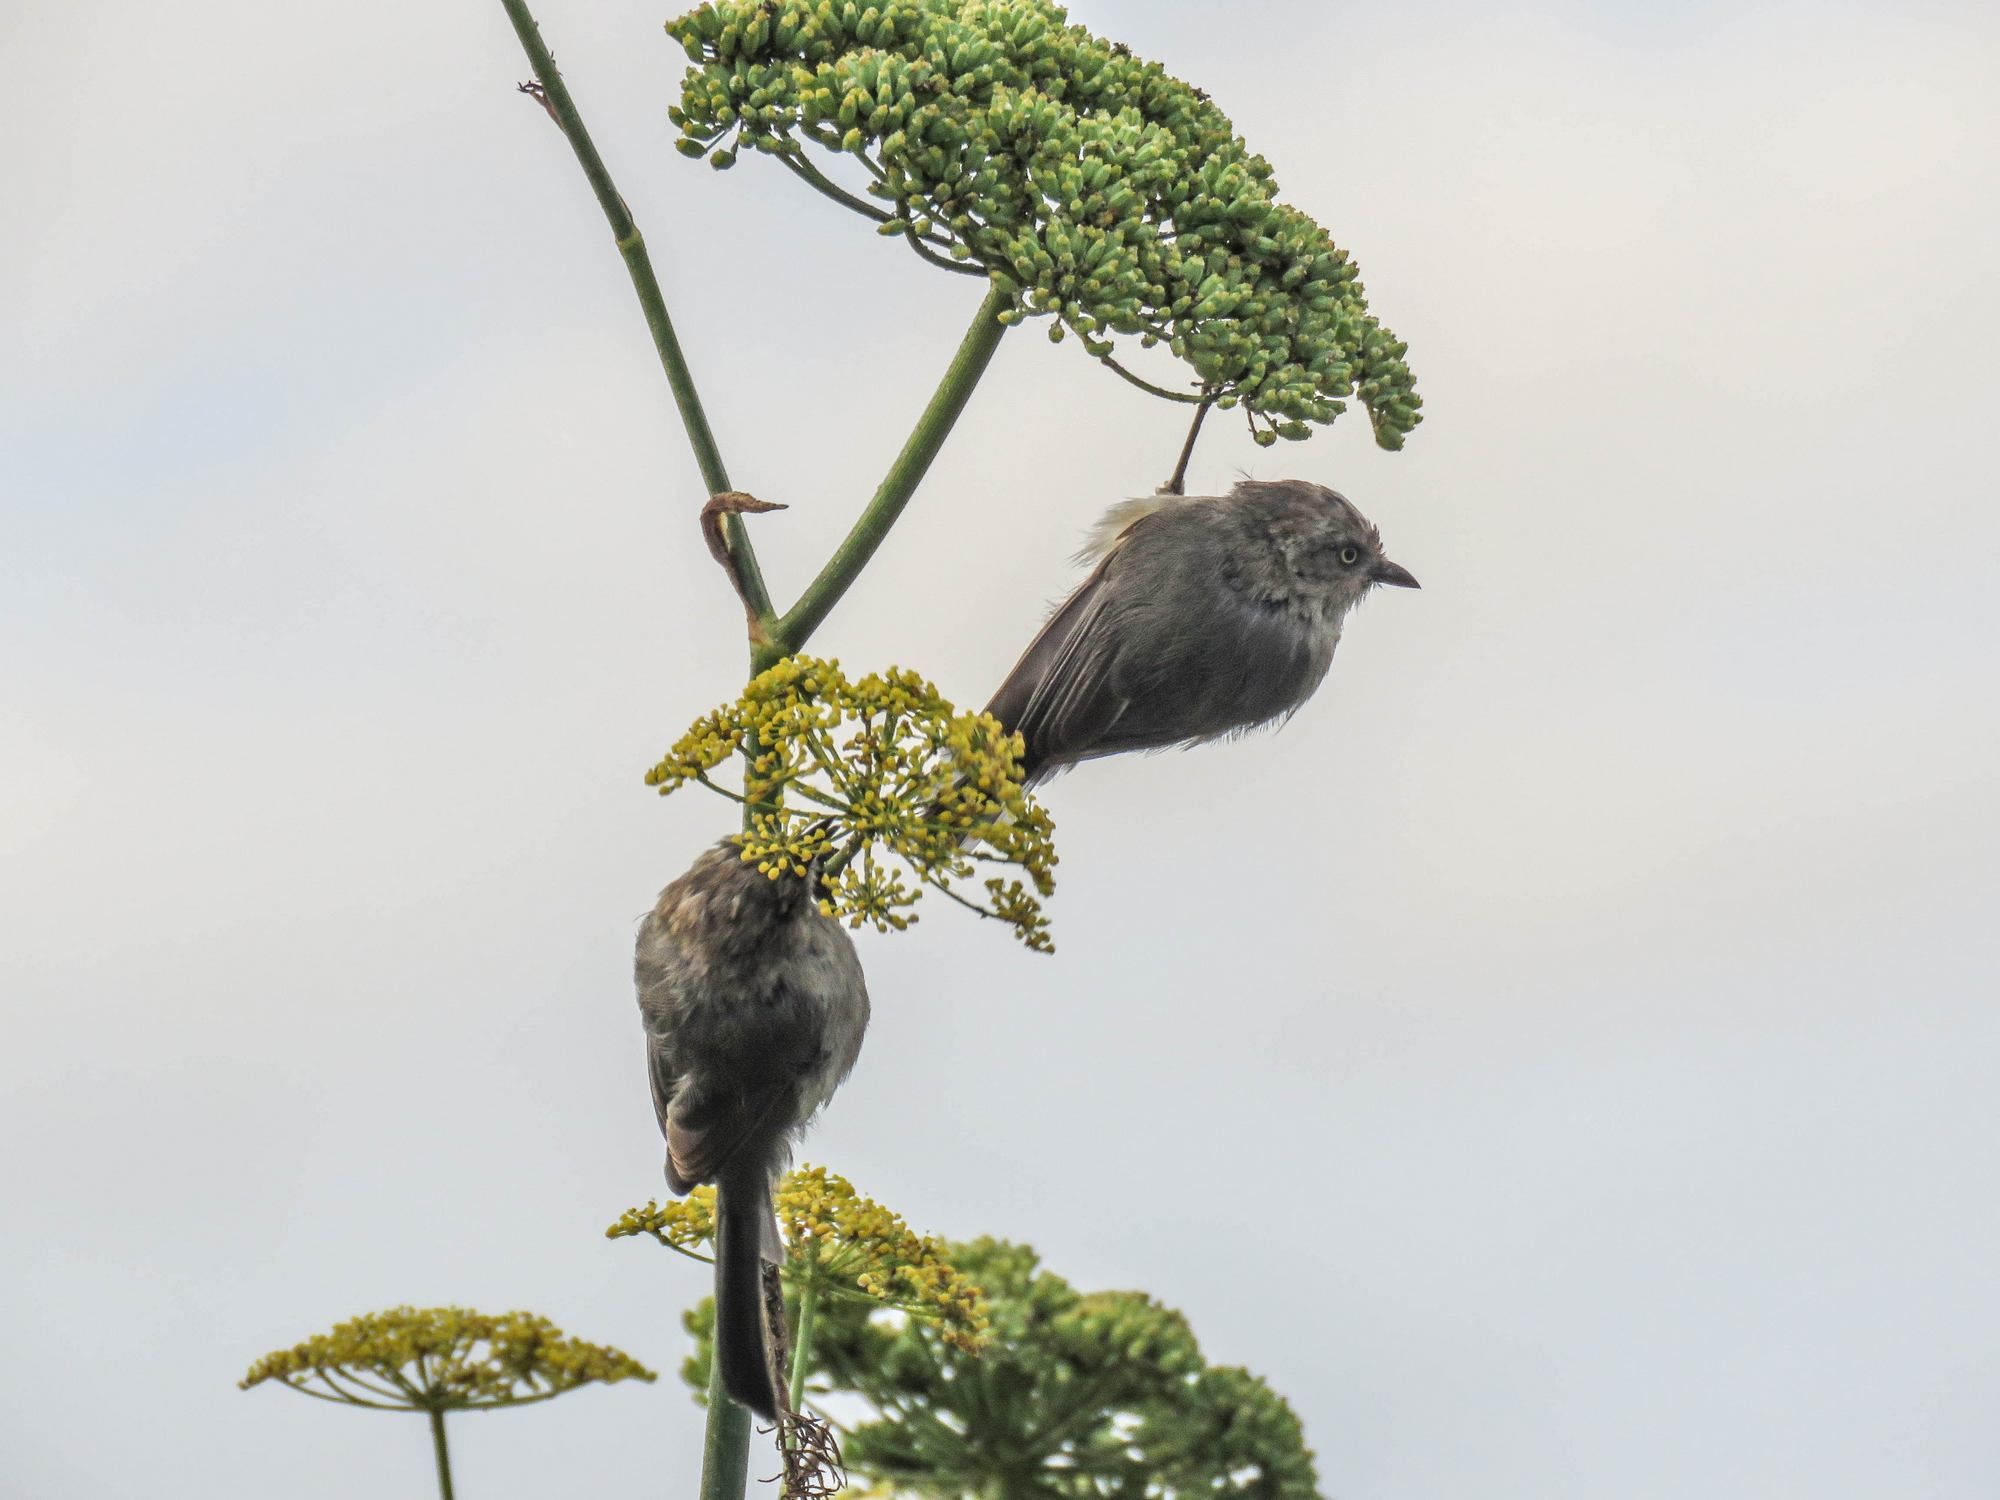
x=1263, y=661
x=1230, y=640
x=828, y=973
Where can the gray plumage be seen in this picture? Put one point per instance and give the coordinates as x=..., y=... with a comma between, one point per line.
x=755, y=1006
x=1206, y=615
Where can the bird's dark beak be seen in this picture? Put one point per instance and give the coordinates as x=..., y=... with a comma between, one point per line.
x=1393, y=575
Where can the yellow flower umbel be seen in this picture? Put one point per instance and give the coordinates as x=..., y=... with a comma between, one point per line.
x=440, y=1359
x=870, y=776
x=837, y=1243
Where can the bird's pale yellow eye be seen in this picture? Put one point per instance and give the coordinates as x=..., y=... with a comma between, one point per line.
x=1349, y=556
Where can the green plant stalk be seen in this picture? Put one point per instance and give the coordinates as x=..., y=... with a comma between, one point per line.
x=632, y=246
x=725, y=1460
x=802, y=1339
x=975, y=352
x=725, y=1448
x=443, y=1453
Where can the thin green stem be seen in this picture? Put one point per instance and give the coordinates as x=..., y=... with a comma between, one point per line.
x=819, y=182
x=1177, y=482
x=339, y=1394
x=945, y=890
x=963, y=268
x=632, y=246
x=443, y=1453
x=683, y=1250
x=1146, y=385
x=701, y=779
x=802, y=1338
x=975, y=352
x=397, y=1398
x=726, y=1448
x=725, y=1451
x=795, y=161
x=414, y=1393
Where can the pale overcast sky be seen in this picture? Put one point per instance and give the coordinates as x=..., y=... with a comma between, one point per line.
x=1563, y=1060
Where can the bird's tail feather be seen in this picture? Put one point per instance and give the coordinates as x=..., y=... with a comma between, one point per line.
x=743, y=1223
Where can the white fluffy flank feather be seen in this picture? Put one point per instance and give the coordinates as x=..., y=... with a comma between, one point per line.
x=1115, y=522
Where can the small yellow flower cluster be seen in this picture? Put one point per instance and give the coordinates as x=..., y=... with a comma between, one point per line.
x=867, y=778
x=443, y=1359
x=841, y=1242
x=842, y=1237
x=685, y=1224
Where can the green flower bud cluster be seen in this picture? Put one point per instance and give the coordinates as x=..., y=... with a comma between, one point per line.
x=841, y=1242
x=862, y=779
x=443, y=1359
x=1088, y=184
x=1074, y=1395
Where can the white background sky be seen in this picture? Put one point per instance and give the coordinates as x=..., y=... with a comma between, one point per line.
x=1562, y=1061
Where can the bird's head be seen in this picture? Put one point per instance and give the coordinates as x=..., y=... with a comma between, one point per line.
x=1325, y=540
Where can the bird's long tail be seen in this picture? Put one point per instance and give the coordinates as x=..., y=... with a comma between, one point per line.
x=743, y=1226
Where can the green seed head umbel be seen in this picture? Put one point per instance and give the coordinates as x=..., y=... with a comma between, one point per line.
x=1085, y=183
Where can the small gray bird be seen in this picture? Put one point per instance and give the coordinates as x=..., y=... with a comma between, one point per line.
x=755, y=1006
x=1206, y=616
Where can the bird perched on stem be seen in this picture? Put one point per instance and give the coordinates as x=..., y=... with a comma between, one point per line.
x=1206, y=616
x=755, y=1006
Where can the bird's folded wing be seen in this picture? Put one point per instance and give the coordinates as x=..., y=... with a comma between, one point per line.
x=665, y=1081
x=705, y=1132
x=1058, y=697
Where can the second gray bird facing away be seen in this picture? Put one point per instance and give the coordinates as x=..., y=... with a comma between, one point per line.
x=1206, y=615
x=755, y=1006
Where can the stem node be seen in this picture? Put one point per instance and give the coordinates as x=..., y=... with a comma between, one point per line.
x=732, y=555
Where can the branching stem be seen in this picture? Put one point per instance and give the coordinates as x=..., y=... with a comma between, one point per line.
x=975, y=352
x=738, y=563
x=725, y=1451
x=554, y=97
